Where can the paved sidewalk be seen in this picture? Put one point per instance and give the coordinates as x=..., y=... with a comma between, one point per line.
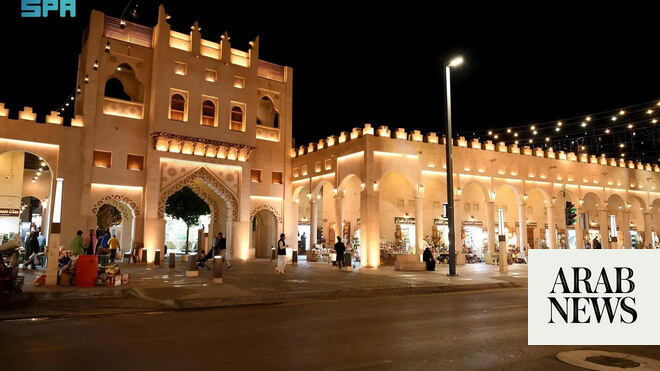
x=255, y=282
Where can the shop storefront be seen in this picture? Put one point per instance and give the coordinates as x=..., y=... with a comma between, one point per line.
x=303, y=235
x=440, y=232
x=474, y=237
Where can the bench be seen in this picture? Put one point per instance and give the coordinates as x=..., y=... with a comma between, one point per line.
x=409, y=263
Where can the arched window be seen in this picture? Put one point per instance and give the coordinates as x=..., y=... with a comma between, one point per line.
x=115, y=89
x=236, y=118
x=266, y=113
x=208, y=113
x=177, y=107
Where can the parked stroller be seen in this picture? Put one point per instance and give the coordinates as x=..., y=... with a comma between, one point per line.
x=201, y=262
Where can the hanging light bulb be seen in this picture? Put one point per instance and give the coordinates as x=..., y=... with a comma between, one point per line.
x=515, y=135
x=66, y=104
x=496, y=136
x=516, y=142
x=588, y=118
x=530, y=141
x=613, y=118
x=582, y=148
x=78, y=90
x=535, y=132
x=621, y=145
x=547, y=139
x=654, y=121
x=584, y=124
x=490, y=132
x=560, y=123
x=622, y=112
x=533, y=127
x=557, y=129
x=630, y=126
x=607, y=131
x=508, y=130
x=73, y=98
x=649, y=111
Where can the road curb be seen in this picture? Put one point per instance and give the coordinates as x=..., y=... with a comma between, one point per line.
x=76, y=293
x=279, y=298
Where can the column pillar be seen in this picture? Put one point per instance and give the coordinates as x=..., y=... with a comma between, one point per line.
x=625, y=231
x=339, y=217
x=312, y=222
x=154, y=237
x=579, y=233
x=522, y=225
x=648, y=234
x=370, y=228
x=419, y=223
x=552, y=228
x=603, y=222
x=490, y=225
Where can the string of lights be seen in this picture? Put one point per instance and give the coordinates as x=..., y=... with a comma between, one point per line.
x=629, y=130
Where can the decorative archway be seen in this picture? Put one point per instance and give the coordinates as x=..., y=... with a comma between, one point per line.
x=269, y=208
x=128, y=216
x=211, y=181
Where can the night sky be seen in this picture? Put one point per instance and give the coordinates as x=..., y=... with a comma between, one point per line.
x=383, y=65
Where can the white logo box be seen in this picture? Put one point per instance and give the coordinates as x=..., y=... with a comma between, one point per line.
x=544, y=266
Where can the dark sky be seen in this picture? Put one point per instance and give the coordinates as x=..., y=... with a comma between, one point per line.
x=523, y=63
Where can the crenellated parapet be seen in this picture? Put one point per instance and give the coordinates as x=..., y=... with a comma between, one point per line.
x=27, y=115
x=474, y=143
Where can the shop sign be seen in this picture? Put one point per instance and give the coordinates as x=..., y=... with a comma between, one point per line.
x=475, y=223
x=303, y=222
x=440, y=221
x=444, y=210
x=10, y=212
x=529, y=224
x=403, y=220
x=506, y=224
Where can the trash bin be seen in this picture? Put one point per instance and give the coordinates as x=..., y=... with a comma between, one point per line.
x=347, y=259
x=86, y=267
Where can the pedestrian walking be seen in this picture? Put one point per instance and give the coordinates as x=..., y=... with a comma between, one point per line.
x=281, y=254
x=78, y=244
x=221, y=249
x=114, y=244
x=340, y=248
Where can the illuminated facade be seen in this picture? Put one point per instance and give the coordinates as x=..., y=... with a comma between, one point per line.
x=158, y=110
x=387, y=184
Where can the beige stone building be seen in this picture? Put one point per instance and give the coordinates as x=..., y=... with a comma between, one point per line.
x=157, y=110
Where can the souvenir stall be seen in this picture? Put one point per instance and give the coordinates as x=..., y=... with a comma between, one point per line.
x=403, y=243
x=440, y=232
x=473, y=241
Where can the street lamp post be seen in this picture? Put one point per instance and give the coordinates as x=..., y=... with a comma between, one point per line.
x=450, y=170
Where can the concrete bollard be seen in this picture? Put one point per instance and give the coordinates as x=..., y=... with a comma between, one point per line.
x=217, y=269
x=143, y=260
x=172, y=261
x=294, y=257
x=157, y=258
x=192, y=267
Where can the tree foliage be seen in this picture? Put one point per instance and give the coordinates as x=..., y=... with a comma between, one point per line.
x=107, y=217
x=186, y=206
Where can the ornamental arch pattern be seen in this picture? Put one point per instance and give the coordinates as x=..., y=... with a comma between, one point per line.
x=269, y=208
x=189, y=181
x=126, y=206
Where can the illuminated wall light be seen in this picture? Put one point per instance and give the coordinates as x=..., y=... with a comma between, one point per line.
x=525, y=197
x=309, y=196
x=362, y=186
x=107, y=47
x=459, y=191
x=86, y=79
x=96, y=65
x=493, y=195
x=334, y=191
x=375, y=186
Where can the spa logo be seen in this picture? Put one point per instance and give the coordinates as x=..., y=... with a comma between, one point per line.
x=42, y=8
x=593, y=297
x=583, y=297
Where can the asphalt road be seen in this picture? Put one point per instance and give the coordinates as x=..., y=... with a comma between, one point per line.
x=461, y=331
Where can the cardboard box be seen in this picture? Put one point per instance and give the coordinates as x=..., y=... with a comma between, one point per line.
x=66, y=279
x=125, y=278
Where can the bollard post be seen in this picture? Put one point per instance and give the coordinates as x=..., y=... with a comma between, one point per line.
x=157, y=259
x=143, y=260
x=272, y=254
x=192, y=267
x=217, y=269
x=348, y=262
x=172, y=261
x=294, y=257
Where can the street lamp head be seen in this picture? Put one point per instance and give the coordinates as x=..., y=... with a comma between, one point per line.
x=456, y=62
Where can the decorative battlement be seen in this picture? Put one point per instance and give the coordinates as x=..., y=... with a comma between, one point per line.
x=167, y=142
x=474, y=143
x=27, y=114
